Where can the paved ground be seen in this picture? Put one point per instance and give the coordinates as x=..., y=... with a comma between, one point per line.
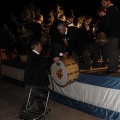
x=11, y=97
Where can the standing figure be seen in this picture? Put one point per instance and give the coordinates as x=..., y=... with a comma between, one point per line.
x=70, y=20
x=112, y=29
x=37, y=28
x=100, y=47
x=72, y=37
x=35, y=76
x=56, y=39
x=86, y=40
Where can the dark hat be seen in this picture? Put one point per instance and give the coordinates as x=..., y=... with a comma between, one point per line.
x=71, y=16
x=88, y=17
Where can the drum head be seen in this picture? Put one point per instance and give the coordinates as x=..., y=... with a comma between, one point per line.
x=59, y=73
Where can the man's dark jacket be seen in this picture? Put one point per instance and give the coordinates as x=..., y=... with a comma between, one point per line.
x=112, y=22
x=35, y=71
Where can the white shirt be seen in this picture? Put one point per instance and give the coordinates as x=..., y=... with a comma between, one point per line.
x=109, y=5
x=36, y=52
x=66, y=31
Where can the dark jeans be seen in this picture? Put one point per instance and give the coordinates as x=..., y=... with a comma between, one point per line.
x=113, y=54
x=87, y=59
x=98, y=51
x=76, y=57
x=40, y=102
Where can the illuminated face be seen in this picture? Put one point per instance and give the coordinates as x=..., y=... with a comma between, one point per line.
x=41, y=18
x=70, y=20
x=104, y=3
x=88, y=21
x=39, y=48
x=64, y=18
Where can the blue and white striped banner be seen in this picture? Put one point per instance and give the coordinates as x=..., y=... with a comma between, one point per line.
x=98, y=95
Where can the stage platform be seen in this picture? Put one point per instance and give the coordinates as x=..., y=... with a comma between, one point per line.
x=93, y=92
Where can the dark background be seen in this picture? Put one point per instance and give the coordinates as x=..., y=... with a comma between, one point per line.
x=79, y=7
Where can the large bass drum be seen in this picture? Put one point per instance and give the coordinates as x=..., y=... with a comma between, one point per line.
x=65, y=71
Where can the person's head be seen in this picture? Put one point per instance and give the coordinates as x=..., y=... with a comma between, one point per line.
x=101, y=11
x=105, y=3
x=71, y=18
x=62, y=17
x=88, y=19
x=39, y=17
x=62, y=27
x=36, y=45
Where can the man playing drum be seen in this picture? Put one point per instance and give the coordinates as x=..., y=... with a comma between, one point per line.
x=65, y=70
x=70, y=39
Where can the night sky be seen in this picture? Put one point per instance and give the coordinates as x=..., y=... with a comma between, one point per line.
x=86, y=7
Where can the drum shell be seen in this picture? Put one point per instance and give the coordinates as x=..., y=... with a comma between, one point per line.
x=70, y=71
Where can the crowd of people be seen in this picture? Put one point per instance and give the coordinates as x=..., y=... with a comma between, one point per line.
x=92, y=46
x=88, y=43
x=101, y=41
x=83, y=41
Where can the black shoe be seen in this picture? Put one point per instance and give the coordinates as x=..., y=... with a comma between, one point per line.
x=104, y=65
x=88, y=68
x=94, y=66
x=109, y=72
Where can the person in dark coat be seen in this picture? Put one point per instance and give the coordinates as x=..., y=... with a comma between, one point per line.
x=100, y=49
x=54, y=33
x=72, y=37
x=70, y=20
x=37, y=28
x=85, y=45
x=56, y=38
x=112, y=29
x=35, y=75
